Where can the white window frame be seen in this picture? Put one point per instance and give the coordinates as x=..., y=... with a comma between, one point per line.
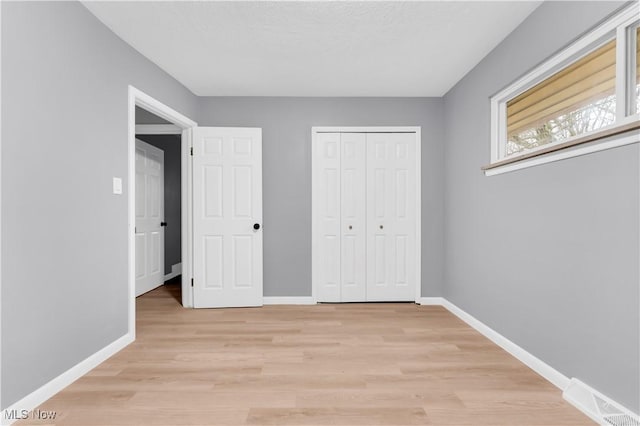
x=618, y=24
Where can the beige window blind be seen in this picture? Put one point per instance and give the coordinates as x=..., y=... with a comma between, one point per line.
x=589, y=79
x=638, y=69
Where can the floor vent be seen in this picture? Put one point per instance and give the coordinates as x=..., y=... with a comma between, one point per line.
x=601, y=409
x=621, y=420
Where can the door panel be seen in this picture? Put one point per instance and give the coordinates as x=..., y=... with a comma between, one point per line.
x=327, y=205
x=214, y=258
x=353, y=217
x=227, y=188
x=391, y=221
x=149, y=204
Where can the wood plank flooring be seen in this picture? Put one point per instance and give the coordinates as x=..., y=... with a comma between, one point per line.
x=349, y=364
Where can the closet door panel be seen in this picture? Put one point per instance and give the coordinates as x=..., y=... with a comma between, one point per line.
x=327, y=205
x=404, y=202
x=353, y=217
x=391, y=177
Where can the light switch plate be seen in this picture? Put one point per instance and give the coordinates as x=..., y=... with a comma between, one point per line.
x=117, y=185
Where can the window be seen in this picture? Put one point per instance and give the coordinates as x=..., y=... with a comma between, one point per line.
x=587, y=92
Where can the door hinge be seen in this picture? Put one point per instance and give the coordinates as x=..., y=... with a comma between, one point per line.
x=191, y=282
x=192, y=151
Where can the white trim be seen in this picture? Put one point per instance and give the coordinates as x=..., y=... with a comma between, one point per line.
x=573, y=52
x=158, y=129
x=141, y=99
x=187, y=219
x=288, y=300
x=46, y=391
x=365, y=129
x=418, y=259
x=581, y=396
x=545, y=370
x=574, y=391
x=0, y=199
x=314, y=218
x=417, y=130
x=431, y=301
x=601, y=145
x=175, y=271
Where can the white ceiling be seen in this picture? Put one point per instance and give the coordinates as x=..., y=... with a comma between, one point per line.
x=314, y=48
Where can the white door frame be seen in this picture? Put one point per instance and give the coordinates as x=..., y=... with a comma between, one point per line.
x=158, y=129
x=141, y=99
x=314, y=190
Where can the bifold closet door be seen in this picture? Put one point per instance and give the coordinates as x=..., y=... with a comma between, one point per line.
x=340, y=211
x=391, y=221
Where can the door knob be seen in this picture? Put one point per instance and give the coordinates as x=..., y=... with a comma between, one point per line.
x=381, y=227
x=256, y=226
x=350, y=227
x=163, y=223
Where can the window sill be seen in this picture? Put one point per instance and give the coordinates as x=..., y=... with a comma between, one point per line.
x=625, y=134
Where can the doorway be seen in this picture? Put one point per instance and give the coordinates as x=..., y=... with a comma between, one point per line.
x=170, y=122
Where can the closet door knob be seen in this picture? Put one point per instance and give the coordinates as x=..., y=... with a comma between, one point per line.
x=350, y=227
x=163, y=223
x=381, y=227
x=256, y=226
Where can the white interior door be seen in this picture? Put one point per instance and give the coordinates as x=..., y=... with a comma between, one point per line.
x=227, y=217
x=391, y=216
x=149, y=239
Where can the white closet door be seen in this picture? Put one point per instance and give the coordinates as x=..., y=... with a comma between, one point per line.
x=227, y=217
x=353, y=215
x=326, y=262
x=149, y=239
x=391, y=221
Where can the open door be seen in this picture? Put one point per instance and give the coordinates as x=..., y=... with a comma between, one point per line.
x=227, y=217
x=149, y=217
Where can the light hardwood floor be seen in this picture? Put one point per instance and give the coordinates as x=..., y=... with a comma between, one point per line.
x=349, y=364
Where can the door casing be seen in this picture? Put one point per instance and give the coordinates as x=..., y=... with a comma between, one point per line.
x=314, y=190
x=138, y=98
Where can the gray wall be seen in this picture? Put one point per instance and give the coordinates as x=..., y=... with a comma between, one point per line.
x=64, y=234
x=547, y=256
x=286, y=125
x=145, y=117
x=170, y=144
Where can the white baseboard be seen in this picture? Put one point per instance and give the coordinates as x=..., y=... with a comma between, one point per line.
x=40, y=395
x=432, y=301
x=175, y=271
x=537, y=365
x=540, y=367
x=296, y=300
x=574, y=391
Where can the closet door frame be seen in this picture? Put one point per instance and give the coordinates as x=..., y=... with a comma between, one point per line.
x=416, y=130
